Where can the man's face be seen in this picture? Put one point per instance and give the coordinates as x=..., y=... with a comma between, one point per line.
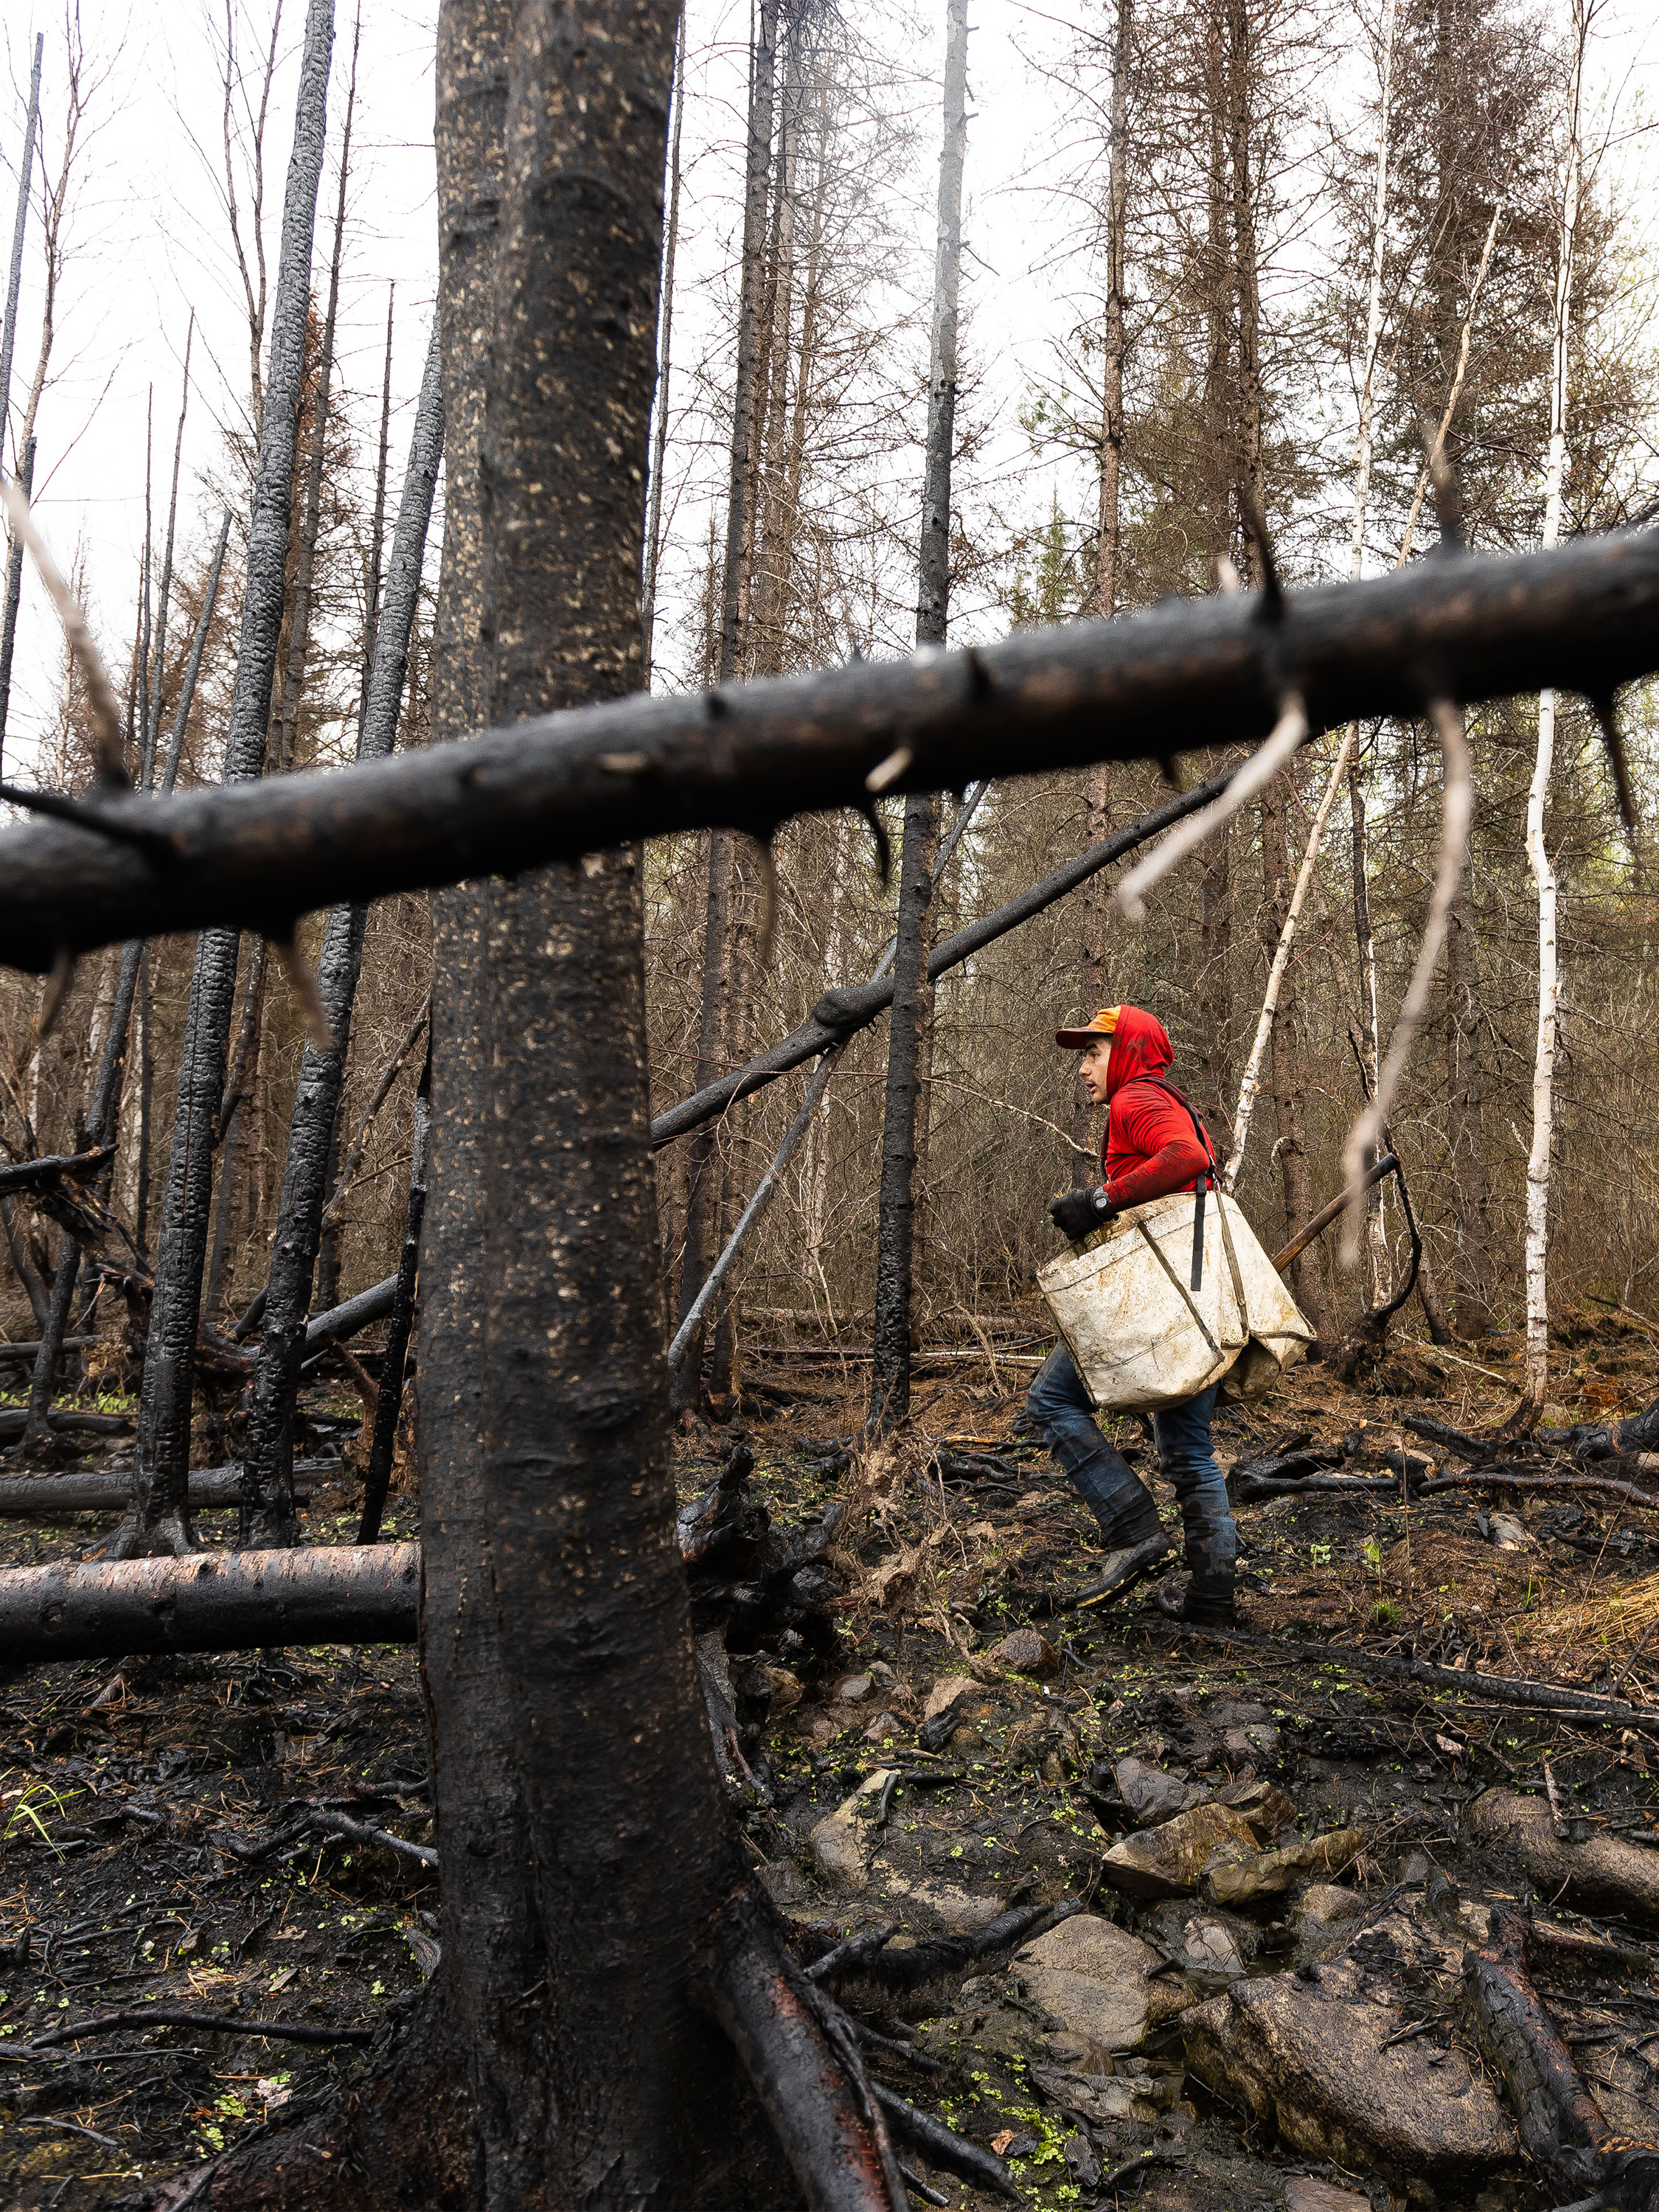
x=1092, y=1069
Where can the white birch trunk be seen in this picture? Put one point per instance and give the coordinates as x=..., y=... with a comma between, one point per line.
x=1543, y=1073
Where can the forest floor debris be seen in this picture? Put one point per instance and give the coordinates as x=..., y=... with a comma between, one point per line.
x=1282, y=2025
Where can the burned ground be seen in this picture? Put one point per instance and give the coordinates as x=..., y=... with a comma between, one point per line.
x=1262, y=2001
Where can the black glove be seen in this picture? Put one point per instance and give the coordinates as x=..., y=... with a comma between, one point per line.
x=1075, y=1212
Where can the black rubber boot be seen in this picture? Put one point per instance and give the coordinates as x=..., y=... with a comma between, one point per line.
x=1206, y=1602
x=1123, y=1569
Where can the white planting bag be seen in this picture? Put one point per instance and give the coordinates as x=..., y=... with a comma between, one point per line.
x=1142, y=1338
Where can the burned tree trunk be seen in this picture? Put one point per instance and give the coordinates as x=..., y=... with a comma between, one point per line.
x=159, y=1519
x=584, y=2037
x=76, y=1609
x=388, y=1404
x=704, y=1173
x=890, y=1376
x=268, y=1508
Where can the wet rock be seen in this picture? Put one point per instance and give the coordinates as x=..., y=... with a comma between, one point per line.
x=1169, y=1860
x=1081, y=2167
x=945, y=1692
x=1101, y=1984
x=1267, y=1807
x=1093, y=2098
x=1601, y=1871
x=1504, y=1533
x=1253, y=1874
x=777, y=1683
x=1303, y=2194
x=1208, y=1947
x=844, y=1843
x=935, y=1908
x=1306, y=2059
x=1326, y=1904
x=1152, y=1796
x=1027, y=1652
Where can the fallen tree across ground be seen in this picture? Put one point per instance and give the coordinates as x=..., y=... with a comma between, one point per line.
x=211, y=1601
x=556, y=786
x=39, y=1497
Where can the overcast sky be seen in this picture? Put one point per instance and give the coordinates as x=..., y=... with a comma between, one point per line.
x=150, y=243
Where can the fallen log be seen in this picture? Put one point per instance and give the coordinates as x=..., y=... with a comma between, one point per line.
x=211, y=1601
x=1489, y=1477
x=12, y=1423
x=342, y=1321
x=1327, y=1214
x=1149, y=685
x=107, y=1491
x=1601, y=1873
x=29, y=1353
x=849, y=1007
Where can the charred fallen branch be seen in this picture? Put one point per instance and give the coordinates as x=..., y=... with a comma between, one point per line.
x=210, y=2023
x=40, y=1496
x=1585, y=1441
x=211, y=1602
x=1148, y=686
x=37, y=1175
x=67, y=1421
x=1496, y=1689
x=868, y=1958
x=842, y=1012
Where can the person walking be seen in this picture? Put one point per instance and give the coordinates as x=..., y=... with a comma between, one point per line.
x=1154, y=1143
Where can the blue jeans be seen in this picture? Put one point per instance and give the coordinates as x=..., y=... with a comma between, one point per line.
x=1063, y=1411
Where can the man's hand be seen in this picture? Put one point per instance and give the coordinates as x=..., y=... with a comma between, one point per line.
x=1075, y=1212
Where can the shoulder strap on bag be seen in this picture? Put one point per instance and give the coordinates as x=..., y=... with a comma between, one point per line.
x=1206, y=1181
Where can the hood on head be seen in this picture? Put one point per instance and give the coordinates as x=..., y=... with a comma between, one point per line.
x=1140, y=1046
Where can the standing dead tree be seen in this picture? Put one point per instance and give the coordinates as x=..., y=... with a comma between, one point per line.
x=267, y=1517
x=7, y=344
x=158, y=1519
x=889, y=1372
x=719, y=983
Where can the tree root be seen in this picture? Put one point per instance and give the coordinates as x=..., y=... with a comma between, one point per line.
x=939, y=1956
x=1562, y=2126
x=803, y=2062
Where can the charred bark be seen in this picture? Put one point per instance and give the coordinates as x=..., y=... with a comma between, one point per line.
x=216, y=1601
x=268, y=1511
x=705, y=1172
x=159, y=1519
x=565, y=2051
x=890, y=1376
x=388, y=1404
x=1562, y=2126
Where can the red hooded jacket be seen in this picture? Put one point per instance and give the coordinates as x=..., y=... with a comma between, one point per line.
x=1150, y=1146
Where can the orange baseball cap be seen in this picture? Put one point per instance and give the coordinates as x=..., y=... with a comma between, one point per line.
x=1103, y=1024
